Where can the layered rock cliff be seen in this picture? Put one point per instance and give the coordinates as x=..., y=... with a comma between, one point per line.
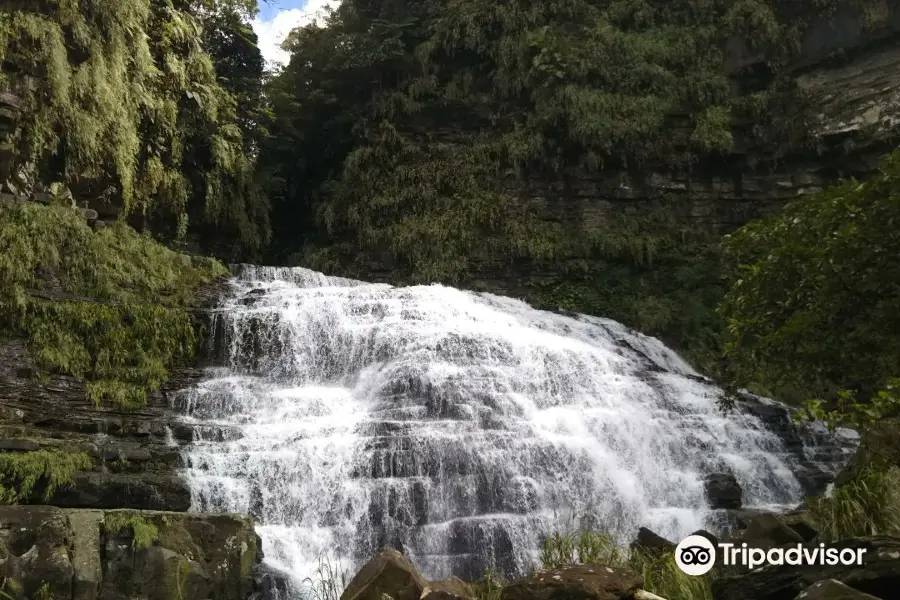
x=848, y=73
x=92, y=504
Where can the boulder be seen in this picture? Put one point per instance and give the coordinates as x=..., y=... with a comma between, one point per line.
x=722, y=491
x=768, y=531
x=388, y=572
x=714, y=540
x=649, y=542
x=581, y=582
x=88, y=214
x=879, y=574
x=271, y=584
x=453, y=588
x=801, y=522
x=831, y=589
x=730, y=522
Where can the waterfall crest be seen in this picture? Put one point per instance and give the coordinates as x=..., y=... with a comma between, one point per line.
x=457, y=426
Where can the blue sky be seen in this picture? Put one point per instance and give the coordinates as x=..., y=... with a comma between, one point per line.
x=276, y=20
x=268, y=11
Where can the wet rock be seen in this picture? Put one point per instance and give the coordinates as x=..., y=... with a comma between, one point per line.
x=714, y=540
x=831, y=589
x=388, y=572
x=723, y=491
x=651, y=543
x=581, y=582
x=879, y=574
x=195, y=556
x=18, y=445
x=730, y=522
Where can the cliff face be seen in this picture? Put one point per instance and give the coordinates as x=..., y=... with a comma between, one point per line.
x=92, y=503
x=848, y=71
x=77, y=542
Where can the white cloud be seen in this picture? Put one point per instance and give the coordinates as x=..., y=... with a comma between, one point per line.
x=271, y=33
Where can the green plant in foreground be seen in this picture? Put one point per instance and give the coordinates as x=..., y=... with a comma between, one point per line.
x=43, y=592
x=144, y=533
x=489, y=586
x=22, y=473
x=9, y=588
x=329, y=580
x=869, y=504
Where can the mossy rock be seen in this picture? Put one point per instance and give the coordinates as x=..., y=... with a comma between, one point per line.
x=109, y=308
x=182, y=555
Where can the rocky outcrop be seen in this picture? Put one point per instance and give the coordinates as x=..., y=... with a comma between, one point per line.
x=86, y=539
x=650, y=542
x=135, y=454
x=80, y=554
x=390, y=575
x=10, y=107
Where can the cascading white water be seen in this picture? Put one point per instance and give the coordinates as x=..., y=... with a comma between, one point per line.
x=460, y=426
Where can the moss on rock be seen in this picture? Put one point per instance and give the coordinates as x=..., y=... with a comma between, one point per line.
x=143, y=532
x=107, y=307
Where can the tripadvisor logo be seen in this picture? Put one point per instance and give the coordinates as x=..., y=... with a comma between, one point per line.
x=696, y=555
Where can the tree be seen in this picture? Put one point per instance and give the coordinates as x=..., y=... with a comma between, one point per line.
x=128, y=110
x=813, y=307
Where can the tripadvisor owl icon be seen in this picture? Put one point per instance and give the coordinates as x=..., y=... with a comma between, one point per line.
x=695, y=555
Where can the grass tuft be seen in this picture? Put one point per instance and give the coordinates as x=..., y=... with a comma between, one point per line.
x=144, y=533
x=869, y=504
x=328, y=581
x=660, y=572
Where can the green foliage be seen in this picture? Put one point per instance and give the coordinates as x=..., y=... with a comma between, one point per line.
x=9, y=588
x=867, y=505
x=43, y=592
x=128, y=106
x=812, y=309
x=489, y=586
x=586, y=547
x=107, y=308
x=410, y=138
x=144, y=533
x=663, y=577
x=849, y=412
x=46, y=470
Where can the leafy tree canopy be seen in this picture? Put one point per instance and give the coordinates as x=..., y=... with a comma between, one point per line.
x=129, y=108
x=408, y=133
x=813, y=307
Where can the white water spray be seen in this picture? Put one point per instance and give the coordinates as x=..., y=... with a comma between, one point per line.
x=460, y=427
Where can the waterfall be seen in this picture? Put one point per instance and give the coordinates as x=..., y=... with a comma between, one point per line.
x=459, y=427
